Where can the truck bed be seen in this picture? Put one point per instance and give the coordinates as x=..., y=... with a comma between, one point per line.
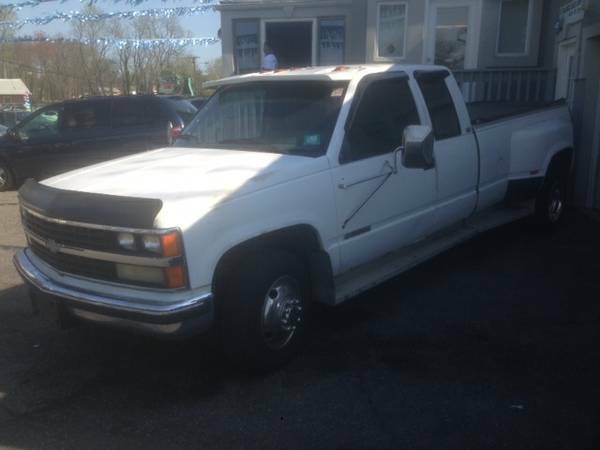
x=486, y=112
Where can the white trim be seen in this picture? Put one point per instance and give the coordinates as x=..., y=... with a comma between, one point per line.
x=527, y=33
x=376, y=56
x=314, y=37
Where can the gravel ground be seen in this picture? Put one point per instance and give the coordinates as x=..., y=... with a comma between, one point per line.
x=491, y=345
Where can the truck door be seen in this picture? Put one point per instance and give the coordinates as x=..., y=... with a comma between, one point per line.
x=380, y=209
x=455, y=147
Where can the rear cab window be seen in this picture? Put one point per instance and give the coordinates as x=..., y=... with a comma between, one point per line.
x=440, y=105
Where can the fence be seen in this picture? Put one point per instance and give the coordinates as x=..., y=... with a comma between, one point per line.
x=507, y=85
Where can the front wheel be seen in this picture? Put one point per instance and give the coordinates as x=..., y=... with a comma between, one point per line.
x=263, y=313
x=6, y=181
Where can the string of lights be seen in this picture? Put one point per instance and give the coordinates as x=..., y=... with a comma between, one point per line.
x=123, y=43
x=94, y=17
x=31, y=3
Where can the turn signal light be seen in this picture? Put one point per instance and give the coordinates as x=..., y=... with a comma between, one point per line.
x=175, y=277
x=171, y=245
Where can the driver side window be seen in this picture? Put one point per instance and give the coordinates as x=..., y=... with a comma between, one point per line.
x=43, y=125
x=386, y=108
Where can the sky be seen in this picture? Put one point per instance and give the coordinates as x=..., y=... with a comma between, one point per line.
x=200, y=25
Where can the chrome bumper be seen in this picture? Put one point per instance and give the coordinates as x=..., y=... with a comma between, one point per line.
x=184, y=317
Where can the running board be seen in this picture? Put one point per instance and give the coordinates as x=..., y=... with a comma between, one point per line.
x=355, y=281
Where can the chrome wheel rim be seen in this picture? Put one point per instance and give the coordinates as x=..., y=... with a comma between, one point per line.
x=3, y=177
x=556, y=204
x=281, y=313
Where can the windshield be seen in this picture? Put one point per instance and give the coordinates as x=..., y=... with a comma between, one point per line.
x=287, y=117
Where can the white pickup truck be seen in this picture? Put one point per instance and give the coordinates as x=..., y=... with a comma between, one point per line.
x=307, y=185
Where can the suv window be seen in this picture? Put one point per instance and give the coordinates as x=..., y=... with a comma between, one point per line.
x=128, y=112
x=386, y=108
x=42, y=124
x=86, y=115
x=444, y=118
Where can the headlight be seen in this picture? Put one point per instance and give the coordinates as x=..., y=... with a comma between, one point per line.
x=127, y=241
x=165, y=246
x=152, y=243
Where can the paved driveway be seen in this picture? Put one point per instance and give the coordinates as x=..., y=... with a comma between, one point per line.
x=492, y=345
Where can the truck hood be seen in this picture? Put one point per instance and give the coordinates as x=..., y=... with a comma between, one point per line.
x=189, y=181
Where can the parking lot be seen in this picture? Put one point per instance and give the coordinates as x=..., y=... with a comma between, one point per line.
x=494, y=344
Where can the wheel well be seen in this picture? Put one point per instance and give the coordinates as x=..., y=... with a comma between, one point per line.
x=561, y=162
x=300, y=240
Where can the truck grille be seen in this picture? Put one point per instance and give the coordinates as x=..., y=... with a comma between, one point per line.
x=70, y=235
x=75, y=265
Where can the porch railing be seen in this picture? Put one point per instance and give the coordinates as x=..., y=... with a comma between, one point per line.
x=507, y=85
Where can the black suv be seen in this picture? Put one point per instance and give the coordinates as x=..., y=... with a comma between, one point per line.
x=77, y=133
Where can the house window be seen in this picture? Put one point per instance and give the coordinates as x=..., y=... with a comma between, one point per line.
x=332, y=41
x=514, y=27
x=391, y=30
x=247, y=52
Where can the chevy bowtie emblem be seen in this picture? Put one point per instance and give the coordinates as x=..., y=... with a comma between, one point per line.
x=52, y=245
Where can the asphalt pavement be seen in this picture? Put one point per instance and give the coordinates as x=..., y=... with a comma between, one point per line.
x=492, y=345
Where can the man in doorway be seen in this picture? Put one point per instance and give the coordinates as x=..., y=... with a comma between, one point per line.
x=270, y=60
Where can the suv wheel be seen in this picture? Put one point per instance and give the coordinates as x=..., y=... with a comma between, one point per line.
x=263, y=314
x=6, y=181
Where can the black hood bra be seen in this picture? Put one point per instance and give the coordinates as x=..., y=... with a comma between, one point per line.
x=96, y=209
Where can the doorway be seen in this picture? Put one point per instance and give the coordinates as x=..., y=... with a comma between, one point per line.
x=292, y=42
x=451, y=34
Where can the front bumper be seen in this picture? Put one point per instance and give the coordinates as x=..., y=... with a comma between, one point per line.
x=184, y=317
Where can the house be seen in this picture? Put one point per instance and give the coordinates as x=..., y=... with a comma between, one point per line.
x=500, y=50
x=14, y=94
x=577, y=59
x=461, y=34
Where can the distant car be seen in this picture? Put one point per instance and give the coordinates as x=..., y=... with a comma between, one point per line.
x=77, y=133
x=3, y=130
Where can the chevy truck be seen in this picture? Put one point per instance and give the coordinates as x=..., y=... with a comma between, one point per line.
x=288, y=188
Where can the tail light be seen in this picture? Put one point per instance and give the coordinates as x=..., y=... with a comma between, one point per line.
x=174, y=132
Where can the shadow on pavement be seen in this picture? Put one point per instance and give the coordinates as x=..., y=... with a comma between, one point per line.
x=493, y=344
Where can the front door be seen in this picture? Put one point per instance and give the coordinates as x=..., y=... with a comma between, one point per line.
x=566, y=70
x=451, y=38
x=39, y=145
x=292, y=42
x=381, y=205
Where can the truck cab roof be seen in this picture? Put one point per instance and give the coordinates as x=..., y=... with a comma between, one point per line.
x=326, y=73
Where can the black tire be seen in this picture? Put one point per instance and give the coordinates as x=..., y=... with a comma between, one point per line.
x=266, y=290
x=551, y=200
x=6, y=179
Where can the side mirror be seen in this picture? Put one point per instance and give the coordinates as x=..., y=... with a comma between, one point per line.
x=417, y=150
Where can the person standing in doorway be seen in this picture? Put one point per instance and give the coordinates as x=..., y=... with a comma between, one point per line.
x=270, y=60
